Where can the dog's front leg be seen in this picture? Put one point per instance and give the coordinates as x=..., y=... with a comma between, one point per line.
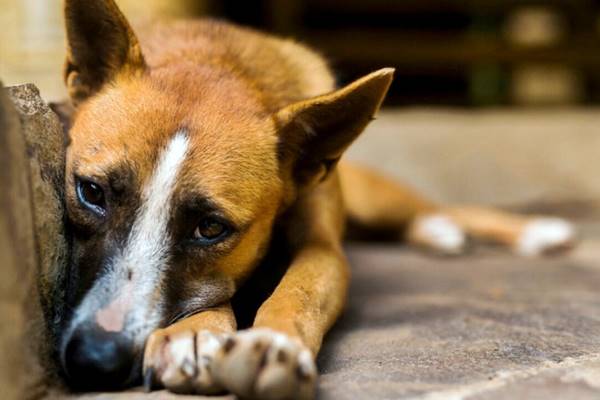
x=179, y=357
x=275, y=358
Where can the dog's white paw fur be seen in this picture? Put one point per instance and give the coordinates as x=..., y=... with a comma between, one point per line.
x=181, y=362
x=252, y=364
x=438, y=232
x=264, y=364
x=543, y=235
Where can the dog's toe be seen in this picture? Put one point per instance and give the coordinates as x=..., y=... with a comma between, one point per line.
x=207, y=346
x=179, y=368
x=264, y=364
x=289, y=373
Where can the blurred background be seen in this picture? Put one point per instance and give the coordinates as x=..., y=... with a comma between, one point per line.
x=494, y=101
x=457, y=52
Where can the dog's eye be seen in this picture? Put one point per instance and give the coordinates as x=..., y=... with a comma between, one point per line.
x=92, y=196
x=210, y=230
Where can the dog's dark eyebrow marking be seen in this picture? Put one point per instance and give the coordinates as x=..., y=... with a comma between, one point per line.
x=201, y=204
x=198, y=204
x=198, y=201
x=121, y=177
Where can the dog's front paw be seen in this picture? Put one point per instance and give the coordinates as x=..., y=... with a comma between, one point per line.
x=181, y=362
x=264, y=364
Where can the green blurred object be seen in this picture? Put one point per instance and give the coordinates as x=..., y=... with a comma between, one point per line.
x=487, y=85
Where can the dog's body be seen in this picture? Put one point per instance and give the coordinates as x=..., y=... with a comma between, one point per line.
x=203, y=152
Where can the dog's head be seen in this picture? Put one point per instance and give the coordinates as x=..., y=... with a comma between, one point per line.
x=175, y=176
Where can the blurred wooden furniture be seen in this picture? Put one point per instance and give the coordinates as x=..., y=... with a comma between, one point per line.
x=459, y=52
x=456, y=51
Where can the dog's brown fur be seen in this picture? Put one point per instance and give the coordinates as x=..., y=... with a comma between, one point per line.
x=267, y=129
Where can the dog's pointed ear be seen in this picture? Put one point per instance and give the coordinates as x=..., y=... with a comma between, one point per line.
x=100, y=45
x=313, y=134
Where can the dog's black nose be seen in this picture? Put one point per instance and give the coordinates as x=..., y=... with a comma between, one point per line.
x=96, y=359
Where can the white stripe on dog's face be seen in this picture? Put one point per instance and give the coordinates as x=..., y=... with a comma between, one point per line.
x=148, y=243
x=147, y=250
x=135, y=272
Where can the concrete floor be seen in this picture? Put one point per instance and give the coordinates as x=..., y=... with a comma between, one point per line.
x=487, y=325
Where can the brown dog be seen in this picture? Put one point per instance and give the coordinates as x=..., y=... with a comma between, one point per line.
x=200, y=155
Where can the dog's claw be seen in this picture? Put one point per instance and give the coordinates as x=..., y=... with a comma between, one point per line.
x=149, y=380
